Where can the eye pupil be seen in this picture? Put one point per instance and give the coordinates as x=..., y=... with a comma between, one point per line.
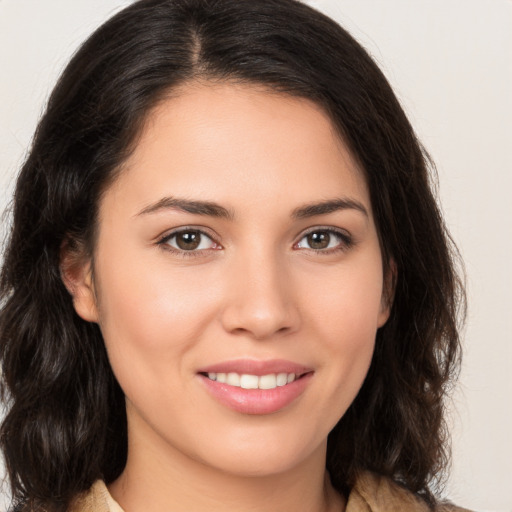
x=188, y=240
x=319, y=240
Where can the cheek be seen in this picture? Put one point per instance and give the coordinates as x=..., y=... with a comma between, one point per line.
x=150, y=313
x=348, y=303
x=346, y=316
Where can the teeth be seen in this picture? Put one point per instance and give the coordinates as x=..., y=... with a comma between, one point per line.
x=267, y=382
x=282, y=379
x=247, y=381
x=233, y=379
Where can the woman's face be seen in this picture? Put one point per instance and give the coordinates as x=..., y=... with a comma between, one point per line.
x=237, y=249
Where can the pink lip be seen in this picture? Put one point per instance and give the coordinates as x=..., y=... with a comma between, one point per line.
x=256, y=401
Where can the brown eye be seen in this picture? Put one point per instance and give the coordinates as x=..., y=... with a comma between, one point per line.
x=323, y=239
x=189, y=240
x=319, y=240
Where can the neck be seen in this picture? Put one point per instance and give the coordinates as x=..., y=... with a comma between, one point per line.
x=163, y=479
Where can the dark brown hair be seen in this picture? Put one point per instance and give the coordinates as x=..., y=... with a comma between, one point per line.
x=65, y=425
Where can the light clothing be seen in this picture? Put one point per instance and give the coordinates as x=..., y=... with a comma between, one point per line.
x=371, y=493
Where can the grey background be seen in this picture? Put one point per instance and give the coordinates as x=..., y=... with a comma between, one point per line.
x=450, y=62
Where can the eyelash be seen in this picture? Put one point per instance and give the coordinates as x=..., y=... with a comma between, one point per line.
x=164, y=243
x=345, y=242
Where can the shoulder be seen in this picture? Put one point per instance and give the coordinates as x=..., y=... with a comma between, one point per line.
x=375, y=493
x=97, y=498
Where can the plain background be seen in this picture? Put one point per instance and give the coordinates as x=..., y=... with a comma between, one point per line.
x=450, y=62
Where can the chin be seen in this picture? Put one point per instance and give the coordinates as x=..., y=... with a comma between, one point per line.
x=266, y=457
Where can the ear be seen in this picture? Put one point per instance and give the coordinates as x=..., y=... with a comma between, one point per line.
x=388, y=293
x=76, y=274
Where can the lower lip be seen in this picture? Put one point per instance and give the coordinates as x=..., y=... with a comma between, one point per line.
x=257, y=401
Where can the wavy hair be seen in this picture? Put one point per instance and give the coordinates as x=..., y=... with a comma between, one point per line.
x=65, y=424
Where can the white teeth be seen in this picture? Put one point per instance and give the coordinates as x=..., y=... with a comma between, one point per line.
x=267, y=382
x=233, y=379
x=247, y=381
x=282, y=379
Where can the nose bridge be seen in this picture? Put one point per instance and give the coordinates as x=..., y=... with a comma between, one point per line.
x=260, y=301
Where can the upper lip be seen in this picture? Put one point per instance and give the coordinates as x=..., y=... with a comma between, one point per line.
x=256, y=367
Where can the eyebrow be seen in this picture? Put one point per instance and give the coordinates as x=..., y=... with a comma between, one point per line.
x=328, y=206
x=207, y=208
x=211, y=209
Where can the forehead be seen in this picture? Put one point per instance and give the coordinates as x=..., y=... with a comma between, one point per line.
x=224, y=142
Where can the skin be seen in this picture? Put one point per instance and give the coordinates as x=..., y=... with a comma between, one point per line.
x=254, y=289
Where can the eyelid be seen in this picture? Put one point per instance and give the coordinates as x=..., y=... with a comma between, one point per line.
x=346, y=242
x=347, y=239
x=163, y=240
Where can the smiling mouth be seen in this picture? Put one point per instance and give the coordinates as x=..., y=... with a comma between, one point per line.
x=248, y=381
x=254, y=389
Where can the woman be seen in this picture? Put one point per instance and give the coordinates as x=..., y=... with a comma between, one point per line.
x=228, y=284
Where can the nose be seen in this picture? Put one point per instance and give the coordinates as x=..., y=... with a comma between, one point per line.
x=261, y=302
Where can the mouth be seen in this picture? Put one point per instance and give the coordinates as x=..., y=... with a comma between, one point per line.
x=252, y=387
x=249, y=381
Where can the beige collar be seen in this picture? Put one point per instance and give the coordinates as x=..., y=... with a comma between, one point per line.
x=97, y=499
x=371, y=493
x=374, y=493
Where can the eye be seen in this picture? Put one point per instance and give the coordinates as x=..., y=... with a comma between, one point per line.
x=324, y=239
x=188, y=240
